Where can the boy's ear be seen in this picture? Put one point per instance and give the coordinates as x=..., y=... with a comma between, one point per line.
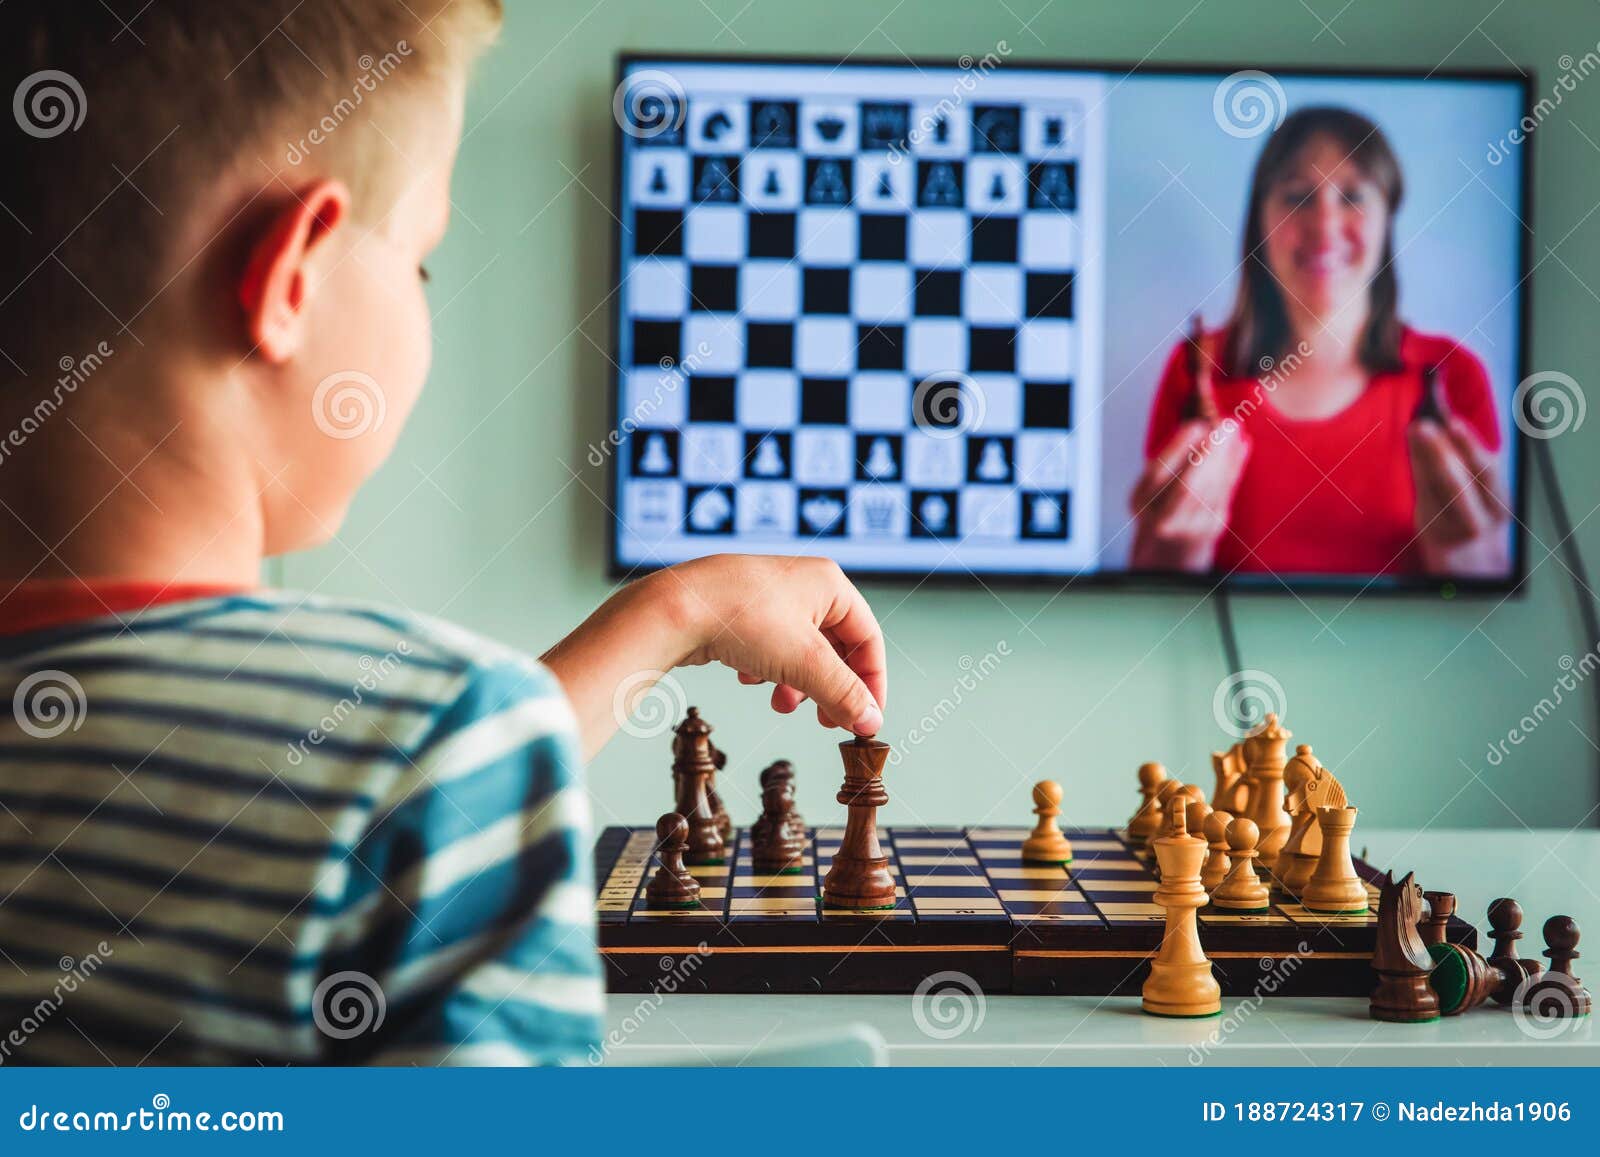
x=272, y=290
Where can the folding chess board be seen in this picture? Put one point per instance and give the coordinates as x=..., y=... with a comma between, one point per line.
x=854, y=314
x=965, y=902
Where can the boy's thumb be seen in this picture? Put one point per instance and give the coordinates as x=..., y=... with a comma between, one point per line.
x=842, y=695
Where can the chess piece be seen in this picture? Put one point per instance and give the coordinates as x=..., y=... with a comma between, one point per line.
x=782, y=771
x=692, y=766
x=1317, y=787
x=1146, y=821
x=992, y=465
x=775, y=848
x=934, y=513
x=767, y=461
x=1052, y=131
x=1505, y=929
x=1558, y=993
x=1242, y=891
x=1217, y=863
x=1334, y=888
x=1462, y=979
x=885, y=186
x=880, y=460
x=658, y=180
x=939, y=187
x=1195, y=815
x=710, y=510
x=1400, y=959
x=672, y=886
x=655, y=459
x=772, y=188
x=1264, y=761
x=827, y=185
x=860, y=877
x=1046, y=844
x=1231, y=794
x=1044, y=515
x=719, y=760
x=1202, y=403
x=1435, y=926
x=997, y=188
x=1180, y=981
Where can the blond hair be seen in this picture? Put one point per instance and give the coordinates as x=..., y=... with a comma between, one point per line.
x=128, y=114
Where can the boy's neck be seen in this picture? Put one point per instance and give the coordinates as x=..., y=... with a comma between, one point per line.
x=101, y=492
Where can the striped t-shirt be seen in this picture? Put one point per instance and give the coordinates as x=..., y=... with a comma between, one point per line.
x=277, y=828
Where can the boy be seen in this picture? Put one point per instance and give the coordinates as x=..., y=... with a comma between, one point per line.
x=242, y=825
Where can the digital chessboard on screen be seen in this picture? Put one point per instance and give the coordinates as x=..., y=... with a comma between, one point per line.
x=855, y=315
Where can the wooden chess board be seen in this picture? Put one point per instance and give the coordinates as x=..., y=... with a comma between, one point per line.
x=965, y=902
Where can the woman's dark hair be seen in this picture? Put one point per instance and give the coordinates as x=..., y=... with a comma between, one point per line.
x=1259, y=327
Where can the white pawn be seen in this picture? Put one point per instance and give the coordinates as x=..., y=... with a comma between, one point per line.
x=992, y=466
x=768, y=462
x=1046, y=515
x=655, y=459
x=880, y=462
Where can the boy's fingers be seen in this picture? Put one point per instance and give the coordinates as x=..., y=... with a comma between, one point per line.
x=839, y=692
x=853, y=631
x=785, y=699
x=750, y=680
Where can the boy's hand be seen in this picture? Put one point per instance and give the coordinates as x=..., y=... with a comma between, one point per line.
x=795, y=622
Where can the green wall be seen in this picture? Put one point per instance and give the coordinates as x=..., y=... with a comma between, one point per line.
x=490, y=515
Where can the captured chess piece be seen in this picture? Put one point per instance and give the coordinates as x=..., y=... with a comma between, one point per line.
x=1264, y=758
x=1558, y=993
x=1217, y=862
x=1046, y=844
x=1180, y=981
x=1400, y=959
x=1242, y=891
x=693, y=765
x=672, y=886
x=1146, y=821
x=1461, y=977
x=1435, y=926
x=860, y=876
x=775, y=847
x=1334, y=888
x=1505, y=929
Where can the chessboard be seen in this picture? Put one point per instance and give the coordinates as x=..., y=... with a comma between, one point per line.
x=857, y=315
x=965, y=903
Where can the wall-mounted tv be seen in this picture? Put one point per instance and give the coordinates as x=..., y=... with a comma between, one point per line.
x=990, y=320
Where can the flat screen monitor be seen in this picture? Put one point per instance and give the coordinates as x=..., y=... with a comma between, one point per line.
x=986, y=320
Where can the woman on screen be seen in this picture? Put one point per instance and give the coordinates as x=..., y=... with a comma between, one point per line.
x=1316, y=432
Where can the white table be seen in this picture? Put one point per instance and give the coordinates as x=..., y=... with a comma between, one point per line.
x=1546, y=871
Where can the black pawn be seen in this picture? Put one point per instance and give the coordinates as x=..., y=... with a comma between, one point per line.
x=672, y=886
x=885, y=186
x=1505, y=929
x=658, y=180
x=774, y=846
x=782, y=771
x=771, y=188
x=941, y=130
x=997, y=190
x=1558, y=993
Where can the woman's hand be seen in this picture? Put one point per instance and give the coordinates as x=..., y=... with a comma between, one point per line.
x=1182, y=499
x=1462, y=510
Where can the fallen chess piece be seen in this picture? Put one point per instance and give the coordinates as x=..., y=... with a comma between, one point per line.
x=1464, y=979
